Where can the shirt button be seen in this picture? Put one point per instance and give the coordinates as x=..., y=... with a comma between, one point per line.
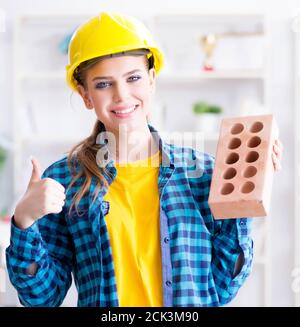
x=242, y=223
x=168, y=283
x=166, y=239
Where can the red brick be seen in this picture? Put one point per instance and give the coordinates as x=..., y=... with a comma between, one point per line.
x=242, y=178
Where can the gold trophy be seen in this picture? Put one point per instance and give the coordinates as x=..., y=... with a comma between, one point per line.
x=208, y=43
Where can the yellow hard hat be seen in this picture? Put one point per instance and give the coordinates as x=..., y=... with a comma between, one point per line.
x=109, y=33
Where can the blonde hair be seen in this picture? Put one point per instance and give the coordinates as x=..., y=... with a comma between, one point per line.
x=85, y=154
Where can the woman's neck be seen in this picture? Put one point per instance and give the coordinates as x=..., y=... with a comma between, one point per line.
x=134, y=145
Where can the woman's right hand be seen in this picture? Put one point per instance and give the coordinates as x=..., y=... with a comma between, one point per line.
x=42, y=197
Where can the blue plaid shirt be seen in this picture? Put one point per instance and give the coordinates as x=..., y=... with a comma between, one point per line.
x=198, y=253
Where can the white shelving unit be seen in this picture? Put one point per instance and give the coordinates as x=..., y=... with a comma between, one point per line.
x=47, y=126
x=214, y=75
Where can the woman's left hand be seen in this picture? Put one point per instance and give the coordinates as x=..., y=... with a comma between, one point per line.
x=277, y=155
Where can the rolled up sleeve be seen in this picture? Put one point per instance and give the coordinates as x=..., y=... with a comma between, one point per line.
x=232, y=239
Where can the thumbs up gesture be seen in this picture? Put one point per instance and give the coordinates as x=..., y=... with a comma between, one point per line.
x=42, y=197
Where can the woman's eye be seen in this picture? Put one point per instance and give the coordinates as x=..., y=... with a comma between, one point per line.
x=134, y=78
x=102, y=85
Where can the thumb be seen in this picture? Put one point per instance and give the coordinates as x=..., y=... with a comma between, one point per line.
x=36, y=171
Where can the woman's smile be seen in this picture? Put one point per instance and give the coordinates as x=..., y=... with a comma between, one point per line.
x=124, y=111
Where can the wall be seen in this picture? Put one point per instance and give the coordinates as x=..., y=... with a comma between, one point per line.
x=282, y=98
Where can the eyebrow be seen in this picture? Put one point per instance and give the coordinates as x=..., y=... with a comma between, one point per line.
x=111, y=77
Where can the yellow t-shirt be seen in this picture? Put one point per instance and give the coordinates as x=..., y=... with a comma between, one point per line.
x=134, y=232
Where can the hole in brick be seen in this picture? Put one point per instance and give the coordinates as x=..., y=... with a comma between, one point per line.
x=227, y=189
x=234, y=143
x=237, y=128
x=250, y=172
x=232, y=158
x=256, y=127
x=229, y=173
x=254, y=142
x=247, y=187
x=252, y=156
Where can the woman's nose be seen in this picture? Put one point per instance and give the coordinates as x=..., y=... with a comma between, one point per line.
x=120, y=93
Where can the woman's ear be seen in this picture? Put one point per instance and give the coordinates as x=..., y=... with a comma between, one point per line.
x=85, y=97
x=152, y=79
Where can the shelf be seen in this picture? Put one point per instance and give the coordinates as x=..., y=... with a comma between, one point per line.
x=250, y=21
x=40, y=76
x=217, y=75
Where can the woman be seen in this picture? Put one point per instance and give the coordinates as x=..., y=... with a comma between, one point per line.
x=126, y=213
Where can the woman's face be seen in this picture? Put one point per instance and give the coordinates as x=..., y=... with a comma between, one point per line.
x=120, y=90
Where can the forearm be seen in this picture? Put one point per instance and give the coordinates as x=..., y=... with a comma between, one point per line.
x=39, y=280
x=232, y=257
